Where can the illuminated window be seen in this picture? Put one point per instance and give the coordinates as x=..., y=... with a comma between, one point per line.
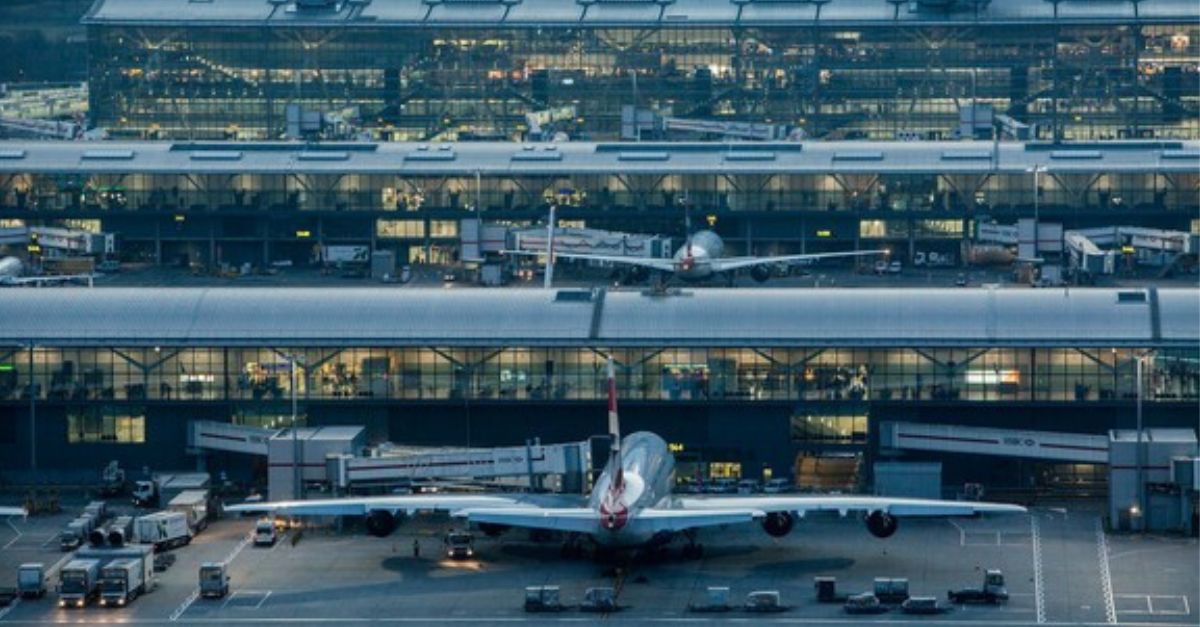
x=409, y=229
x=106, y=425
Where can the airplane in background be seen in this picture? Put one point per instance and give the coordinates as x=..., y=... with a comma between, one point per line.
x=11, y=271
x=699, y=259
x=631, y=505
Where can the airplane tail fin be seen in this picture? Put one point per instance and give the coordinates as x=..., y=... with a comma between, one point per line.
x=614, y=423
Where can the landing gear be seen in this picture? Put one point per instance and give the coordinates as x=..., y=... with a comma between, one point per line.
x=572, y=547
x=693, y=550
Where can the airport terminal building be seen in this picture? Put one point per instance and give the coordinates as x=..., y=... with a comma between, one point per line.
x=229, y=203
x=738, y=381
x=427, y=70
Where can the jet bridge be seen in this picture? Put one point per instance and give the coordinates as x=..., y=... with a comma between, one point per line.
x=394, y=464
x=1048, y=445
x=332, y=455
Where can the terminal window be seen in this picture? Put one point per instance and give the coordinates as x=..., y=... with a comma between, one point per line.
x=836, y=428
x=106, y=425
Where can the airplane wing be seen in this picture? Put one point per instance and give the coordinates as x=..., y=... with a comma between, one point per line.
x=13, y=511
x=801, y=505
x=657, y=520
x=40, y=280
x=575, y=519
x=725, y=264
x=664, y=265
x=408, y=503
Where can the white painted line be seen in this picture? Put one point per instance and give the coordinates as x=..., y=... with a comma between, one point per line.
x=1039, y=595
x=962, y=535
x=1179, y=601
x=263, y=600
x=14, y=528
x=183, y=607
x=1110, y=606
x=279, y=540
x=49, y=573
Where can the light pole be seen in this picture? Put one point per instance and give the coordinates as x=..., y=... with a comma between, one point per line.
x=1139, y=520
x=297, y=492
x=1037, y=172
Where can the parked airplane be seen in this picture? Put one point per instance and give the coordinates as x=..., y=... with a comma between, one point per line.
x=5, y=512
x=631, y=504
x=700, y=258
x=11, y=270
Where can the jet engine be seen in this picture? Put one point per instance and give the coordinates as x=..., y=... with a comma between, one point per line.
x=760, y=273
x=492, y=530
x=778, y=524
x=881, y=525
x=380, y=523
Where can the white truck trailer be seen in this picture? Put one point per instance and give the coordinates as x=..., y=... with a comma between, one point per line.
x=78, y=582
x=125, y=579
x=162, y=530
x=194, y=505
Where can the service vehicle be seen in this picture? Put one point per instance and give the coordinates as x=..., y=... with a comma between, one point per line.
x=724, y=485
x=749, y=486
x=993, y=590
x=264, y=532
x=865, y=603
x=460, y=545
x=777, y=486
x=194, y=505
x=78, y=582
x=123, y=580
x=922, y=606
x=164, y=530
x=163, y=487
x=73, y=536
x=214, y=580
x=31, y=580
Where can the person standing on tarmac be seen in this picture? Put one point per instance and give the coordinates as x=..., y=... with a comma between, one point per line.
x=416, y=548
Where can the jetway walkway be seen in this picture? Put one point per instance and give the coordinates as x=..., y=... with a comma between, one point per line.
x=1048, y=445
x=205, y=435
x=423, y=463
x=1095, y=250
x=333, y=457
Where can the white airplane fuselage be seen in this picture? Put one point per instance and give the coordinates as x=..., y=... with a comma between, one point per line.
x=693, y=260
x=647, y=474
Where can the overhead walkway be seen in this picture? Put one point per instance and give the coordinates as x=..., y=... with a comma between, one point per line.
x=328, y=458
x=1047, y=445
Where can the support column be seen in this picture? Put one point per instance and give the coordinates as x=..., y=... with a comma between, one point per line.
x=32, y=414
x=158, y=241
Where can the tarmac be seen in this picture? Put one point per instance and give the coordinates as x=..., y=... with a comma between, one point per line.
x=1061, y=569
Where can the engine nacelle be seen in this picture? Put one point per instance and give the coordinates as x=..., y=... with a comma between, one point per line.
x=760, y=273
x=492, y=530
x=381, y=524
x=881, y=525
x=778, y=524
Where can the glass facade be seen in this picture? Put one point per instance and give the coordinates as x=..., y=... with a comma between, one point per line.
x=1071, y=80
x=259, y=379
x=259, y=218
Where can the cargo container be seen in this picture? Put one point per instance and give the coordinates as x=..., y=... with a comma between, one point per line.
x=194, y=505
x=163, y=530
x=78, y=582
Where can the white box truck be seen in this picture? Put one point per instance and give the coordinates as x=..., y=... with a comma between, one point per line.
x=124, y=579
x=78, y=582
x=194, y=505
x=163, y=530
x=163, y=487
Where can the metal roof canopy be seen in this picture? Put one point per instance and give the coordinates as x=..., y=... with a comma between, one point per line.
x=510, y=159
x=603, y=13
x=766, y=318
